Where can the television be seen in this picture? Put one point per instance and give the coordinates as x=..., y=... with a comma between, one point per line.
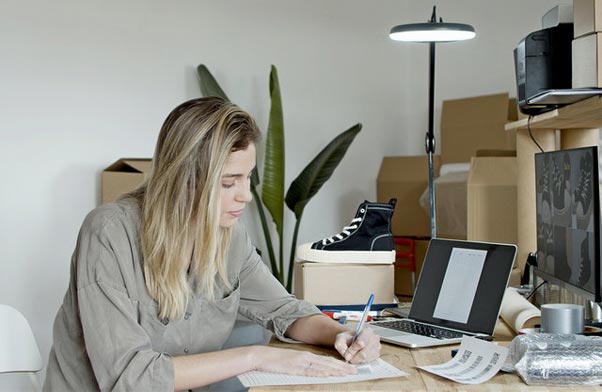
x=568, y=220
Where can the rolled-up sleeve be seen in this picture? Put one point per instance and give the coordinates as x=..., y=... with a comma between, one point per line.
x=263, y=298
x=119, y=349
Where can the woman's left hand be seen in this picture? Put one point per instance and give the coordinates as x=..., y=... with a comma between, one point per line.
x=365, y=349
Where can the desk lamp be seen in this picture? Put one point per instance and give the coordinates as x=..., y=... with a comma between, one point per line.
x=432, y=32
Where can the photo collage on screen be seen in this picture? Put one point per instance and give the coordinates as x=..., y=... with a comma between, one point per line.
x=565, y=216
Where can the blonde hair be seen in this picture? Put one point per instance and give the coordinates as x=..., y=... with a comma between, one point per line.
x=180, y=201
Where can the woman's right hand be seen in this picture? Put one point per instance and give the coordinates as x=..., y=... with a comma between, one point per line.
x=302, y=363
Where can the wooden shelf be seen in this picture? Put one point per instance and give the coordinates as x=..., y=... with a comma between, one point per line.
x=580, y=115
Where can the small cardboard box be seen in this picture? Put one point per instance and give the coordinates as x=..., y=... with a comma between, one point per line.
x=344, y=284
x=587, y=61
x=492, y=200
x=587, y=17
x=123, y=176
x=403, y=277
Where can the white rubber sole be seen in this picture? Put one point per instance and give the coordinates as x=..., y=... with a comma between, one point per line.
x=306, y=253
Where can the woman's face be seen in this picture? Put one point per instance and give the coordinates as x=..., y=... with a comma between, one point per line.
x=236, y=185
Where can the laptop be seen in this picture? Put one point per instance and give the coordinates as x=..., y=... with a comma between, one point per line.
x=459, y=293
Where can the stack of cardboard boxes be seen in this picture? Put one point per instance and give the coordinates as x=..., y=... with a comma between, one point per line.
x=478, y=204
x=587, y=47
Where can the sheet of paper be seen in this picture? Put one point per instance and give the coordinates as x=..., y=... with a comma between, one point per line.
x=372, y=371
x=460, y=284
x=476, y=362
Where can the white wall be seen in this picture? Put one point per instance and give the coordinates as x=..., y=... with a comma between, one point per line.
x=83, y=83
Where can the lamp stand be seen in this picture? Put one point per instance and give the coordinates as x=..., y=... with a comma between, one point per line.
x=432, y=31
x=429, y=142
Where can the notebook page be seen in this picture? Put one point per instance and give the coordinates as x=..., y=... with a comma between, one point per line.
x=372, y=371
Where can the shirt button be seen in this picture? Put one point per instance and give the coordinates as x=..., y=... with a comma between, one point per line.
x=186, y=351
x=187, y=315
x=165, y=320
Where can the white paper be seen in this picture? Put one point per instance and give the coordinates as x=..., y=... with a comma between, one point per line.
x=460, y=284
x=372, y=371
x=476, y=362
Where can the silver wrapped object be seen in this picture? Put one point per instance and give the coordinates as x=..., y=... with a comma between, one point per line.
x=521, y=343
x=554, y=359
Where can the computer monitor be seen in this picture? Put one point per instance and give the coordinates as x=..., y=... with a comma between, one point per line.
x=568, y=220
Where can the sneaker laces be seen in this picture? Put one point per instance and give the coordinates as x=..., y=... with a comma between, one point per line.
x=344, y=233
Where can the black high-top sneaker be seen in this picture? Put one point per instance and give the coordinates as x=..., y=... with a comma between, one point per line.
x=367, y=239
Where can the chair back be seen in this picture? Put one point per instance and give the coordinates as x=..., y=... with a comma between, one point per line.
x=19, y=351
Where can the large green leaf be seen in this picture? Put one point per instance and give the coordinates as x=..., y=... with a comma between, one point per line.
x=209, y=86
x=318, y=171
x=272, y=191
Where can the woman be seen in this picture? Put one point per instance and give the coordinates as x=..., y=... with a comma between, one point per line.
x=158, y=277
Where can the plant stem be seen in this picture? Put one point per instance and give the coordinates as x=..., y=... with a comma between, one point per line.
x=280, y=258
x=289, y=280
x=266, y=233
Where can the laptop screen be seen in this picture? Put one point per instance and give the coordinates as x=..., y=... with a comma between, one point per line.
x=462, y=284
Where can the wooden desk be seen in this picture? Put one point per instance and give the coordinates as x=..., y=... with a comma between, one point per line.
x=419, y=380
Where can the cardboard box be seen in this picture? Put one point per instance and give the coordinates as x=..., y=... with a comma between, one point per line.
x=492, y=200
x=586, y=61
x=476, y=123
x=467, y=125
x=406, y=178
x=450, y=198
x=403, y=277
x=123, y=176
x=343, y=284
x=587, y=17
x=450, y=201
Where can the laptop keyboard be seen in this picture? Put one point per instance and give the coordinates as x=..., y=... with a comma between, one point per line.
x=419, y=329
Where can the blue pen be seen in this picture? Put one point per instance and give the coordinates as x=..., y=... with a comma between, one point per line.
x=360, y=325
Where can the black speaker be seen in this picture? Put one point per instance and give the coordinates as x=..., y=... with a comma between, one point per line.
x=542, y=61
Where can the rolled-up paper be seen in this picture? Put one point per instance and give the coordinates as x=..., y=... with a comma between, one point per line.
x=518, y=312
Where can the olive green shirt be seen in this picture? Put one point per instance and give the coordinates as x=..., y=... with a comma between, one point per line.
x=107, y=335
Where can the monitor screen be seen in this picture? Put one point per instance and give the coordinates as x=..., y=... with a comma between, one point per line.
x=568, y=219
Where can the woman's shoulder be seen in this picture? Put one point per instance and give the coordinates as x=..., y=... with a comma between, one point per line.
x=107, y=242
x=123, y=213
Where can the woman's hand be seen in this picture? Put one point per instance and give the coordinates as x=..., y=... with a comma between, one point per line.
x=365, y=349
x=303, y=363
